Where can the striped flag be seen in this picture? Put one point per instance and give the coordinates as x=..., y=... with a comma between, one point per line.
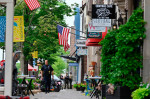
x=32, y=4
x=63, y=36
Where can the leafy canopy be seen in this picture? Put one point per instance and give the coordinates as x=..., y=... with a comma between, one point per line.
x=121, y=58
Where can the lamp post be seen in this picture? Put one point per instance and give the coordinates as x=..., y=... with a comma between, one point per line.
x=9, y=45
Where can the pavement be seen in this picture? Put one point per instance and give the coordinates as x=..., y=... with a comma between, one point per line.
x=63, y=94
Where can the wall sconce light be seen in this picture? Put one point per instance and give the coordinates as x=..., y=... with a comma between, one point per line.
x=120, y=20
x=114, y=25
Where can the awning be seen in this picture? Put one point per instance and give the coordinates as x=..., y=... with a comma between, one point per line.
x=95, y=41
x=70, y=58
x=30, y=68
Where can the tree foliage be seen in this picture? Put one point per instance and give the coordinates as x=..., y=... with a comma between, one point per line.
x=122, y=58
x=59, y=66
x=40, y=27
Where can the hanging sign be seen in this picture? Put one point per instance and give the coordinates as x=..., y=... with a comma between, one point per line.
x=2, y=28
x=101, y=22
x=73, y=64
x=94, y=35
x=35, y=54
x=103, y=12
x=18, y=29
x=81, y=42
x=92, y=28
x=81, y=52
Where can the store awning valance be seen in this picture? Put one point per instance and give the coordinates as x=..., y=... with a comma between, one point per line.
x=30, y=68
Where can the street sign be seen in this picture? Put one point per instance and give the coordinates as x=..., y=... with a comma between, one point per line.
x=81, y=52
x=92, y=28
x=81, y=42
x=94, y=35
x=103, y=12
x=101, y=22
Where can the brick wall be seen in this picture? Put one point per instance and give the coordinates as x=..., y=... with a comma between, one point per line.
x=72, y=41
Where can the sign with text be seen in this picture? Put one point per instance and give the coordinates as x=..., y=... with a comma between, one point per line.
x=92, y=28
x=103, y=12
x=94, y=35
x=73, y=64
x=81, y=42
x=81, y=52
x=2, y=28
x=18, y=29
x=101, y=22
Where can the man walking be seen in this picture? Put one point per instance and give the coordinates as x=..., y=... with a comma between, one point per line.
x=46, y=72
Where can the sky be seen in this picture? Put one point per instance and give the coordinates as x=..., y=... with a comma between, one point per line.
x=70, y=20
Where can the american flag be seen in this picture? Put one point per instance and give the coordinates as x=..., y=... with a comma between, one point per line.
x=32, y=4
x=63, y=36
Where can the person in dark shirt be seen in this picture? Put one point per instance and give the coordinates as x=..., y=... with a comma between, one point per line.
x=66, y=81
x=46, y=72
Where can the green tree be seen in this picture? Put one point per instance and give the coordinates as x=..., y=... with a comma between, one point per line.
x=59, y=66
x=122, y=58
x=40, y=26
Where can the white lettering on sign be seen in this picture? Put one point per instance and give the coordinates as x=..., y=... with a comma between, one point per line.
x=92, y=28
x=101, y=22
x=82, y=51
x=80, y=42
x=104, y=6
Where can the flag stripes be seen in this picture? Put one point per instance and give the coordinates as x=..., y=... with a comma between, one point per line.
x=32, y=4
x=63, y=36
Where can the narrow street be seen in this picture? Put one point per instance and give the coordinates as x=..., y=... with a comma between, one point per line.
x=63, y=94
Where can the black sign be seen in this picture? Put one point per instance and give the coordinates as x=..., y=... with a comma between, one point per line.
x=94, y=35
x=103, y=12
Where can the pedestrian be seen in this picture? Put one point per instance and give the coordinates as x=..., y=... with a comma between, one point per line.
x=70, y=80
x=66, y=81
x=61, y=77
x=46, y=72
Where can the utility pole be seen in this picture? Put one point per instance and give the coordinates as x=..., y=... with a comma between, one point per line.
x=9, y=45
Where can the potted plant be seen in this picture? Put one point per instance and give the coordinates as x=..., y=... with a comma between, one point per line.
x=83, y=86
x=121, y=58
x=141, y=93
x=77, y=86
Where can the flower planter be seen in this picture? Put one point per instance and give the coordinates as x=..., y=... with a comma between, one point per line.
x=78, y=88
x=82, y=89
x=103, y=92
x=119, y=93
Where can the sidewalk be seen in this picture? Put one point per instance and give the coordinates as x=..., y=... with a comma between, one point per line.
x=63, y=94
